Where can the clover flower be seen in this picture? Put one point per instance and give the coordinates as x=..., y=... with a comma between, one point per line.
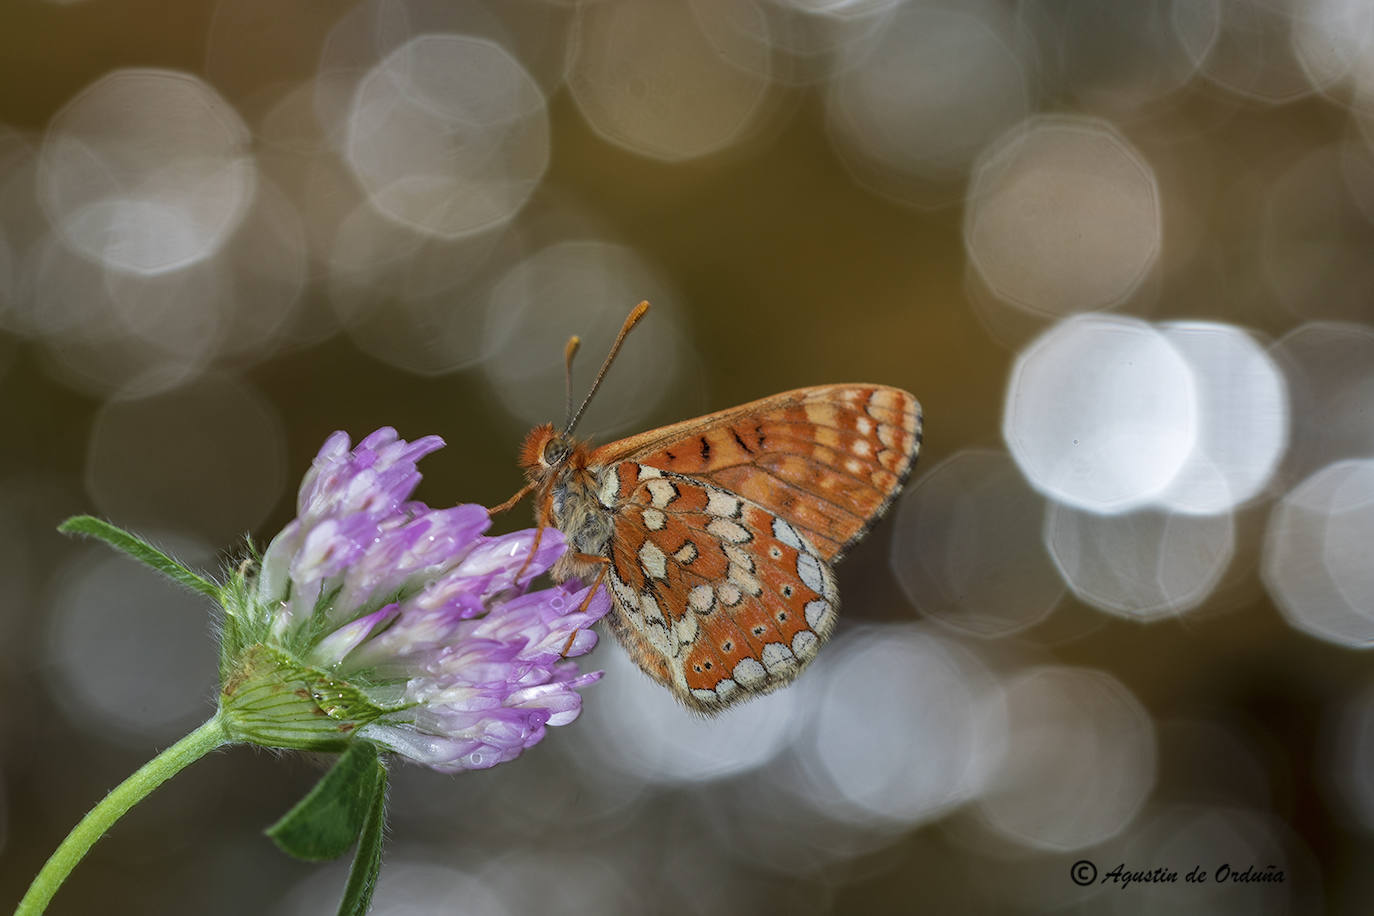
x=377, y=617
x=371, y=621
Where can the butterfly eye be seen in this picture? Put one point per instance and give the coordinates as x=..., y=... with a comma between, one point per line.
x=555, y=452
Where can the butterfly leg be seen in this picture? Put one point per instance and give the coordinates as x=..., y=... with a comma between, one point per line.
x=604, y=565
x=524, y=491
x=534, y=549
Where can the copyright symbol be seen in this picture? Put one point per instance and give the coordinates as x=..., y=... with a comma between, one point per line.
x=1083, y=873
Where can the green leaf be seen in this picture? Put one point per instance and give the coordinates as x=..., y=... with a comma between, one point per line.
x=367, y=861
x=140, y=550
x=325, y=823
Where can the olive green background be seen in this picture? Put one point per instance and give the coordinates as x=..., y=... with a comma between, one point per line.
x=788, y=273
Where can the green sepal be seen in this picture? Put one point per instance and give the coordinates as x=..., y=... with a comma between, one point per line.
x=242, y=623
x=327, y=822
x=367, y=861
x=140, y=550
x=272, y=699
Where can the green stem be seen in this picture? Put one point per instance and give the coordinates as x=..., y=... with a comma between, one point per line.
x=113, y=806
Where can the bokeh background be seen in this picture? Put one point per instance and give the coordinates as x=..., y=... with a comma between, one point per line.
x=1122, y=251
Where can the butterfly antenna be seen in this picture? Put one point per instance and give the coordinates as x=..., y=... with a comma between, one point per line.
x=636, y=314
x=568, y=353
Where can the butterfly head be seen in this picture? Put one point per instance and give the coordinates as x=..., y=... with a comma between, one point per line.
x=545, y=451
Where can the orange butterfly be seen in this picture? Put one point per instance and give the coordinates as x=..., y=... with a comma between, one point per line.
x=718, y=534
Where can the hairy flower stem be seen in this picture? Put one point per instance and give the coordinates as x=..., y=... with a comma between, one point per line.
x=113, y=806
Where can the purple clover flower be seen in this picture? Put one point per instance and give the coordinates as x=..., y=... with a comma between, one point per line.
x=416, y=612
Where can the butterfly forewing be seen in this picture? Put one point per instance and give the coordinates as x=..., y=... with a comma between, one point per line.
x=828, y=460
x=716, y=597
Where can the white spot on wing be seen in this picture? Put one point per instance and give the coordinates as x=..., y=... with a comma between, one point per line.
x=750, y=673
x=686, y=629
x=609, y=488
x=654, y=562
x=725, y=530
x=652, y=614
x=629, y=598
x=661, y=491
x=654, y=519
x=741, y=578
x=863, y=425
x=726, y=688
x=705, y=696
x=686, y=554
x=657, y=634
x=701, y=598
x=647, y=473
x=809, y=568
x=729, y=594
x=739, y=557
x=863, y=448
x=805, y=644
x=778, y=659
x=787, y=534
x=722, y=504
x=816, y=612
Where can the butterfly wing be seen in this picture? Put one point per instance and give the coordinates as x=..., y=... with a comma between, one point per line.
x=827, y=460
x=715, y=596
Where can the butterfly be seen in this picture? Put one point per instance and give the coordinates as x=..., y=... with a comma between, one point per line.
x=717, y=535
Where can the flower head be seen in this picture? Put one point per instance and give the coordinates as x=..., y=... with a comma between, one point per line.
x=402, y=624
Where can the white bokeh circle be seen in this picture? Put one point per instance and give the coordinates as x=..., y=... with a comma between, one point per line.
x=1101, y=413
x=448, y=134
x=146, y=171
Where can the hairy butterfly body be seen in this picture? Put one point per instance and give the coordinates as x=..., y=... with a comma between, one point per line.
x=716, y=536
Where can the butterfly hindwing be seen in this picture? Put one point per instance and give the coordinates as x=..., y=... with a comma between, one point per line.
x=828, y=460
x=715, y=596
